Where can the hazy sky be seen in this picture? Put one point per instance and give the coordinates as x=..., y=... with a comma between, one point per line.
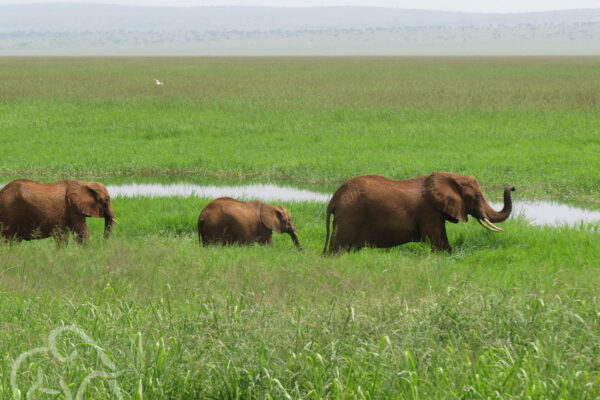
x=452, y=5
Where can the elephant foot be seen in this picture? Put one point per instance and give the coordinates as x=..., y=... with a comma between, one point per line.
x=446, y=248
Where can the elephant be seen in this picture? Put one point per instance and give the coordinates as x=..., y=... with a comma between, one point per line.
x=226, y=220
x=375, y=211
x=31, y=210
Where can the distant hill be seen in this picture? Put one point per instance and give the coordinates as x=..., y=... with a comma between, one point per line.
x=103, y=17
x=56, y=29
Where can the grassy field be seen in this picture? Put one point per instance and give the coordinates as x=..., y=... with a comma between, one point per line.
x=513, y=315
x=533, y=123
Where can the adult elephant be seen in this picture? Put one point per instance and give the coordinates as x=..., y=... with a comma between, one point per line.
x=226, y=221
x=32, y=210
x=375, y=211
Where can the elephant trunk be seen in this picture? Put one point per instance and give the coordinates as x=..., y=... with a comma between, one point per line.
x=109, y=220
x=294, y=237
x=499, y=216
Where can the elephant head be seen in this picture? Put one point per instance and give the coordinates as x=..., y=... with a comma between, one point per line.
x=460, y=195
x=92, y=200
x=278, y=219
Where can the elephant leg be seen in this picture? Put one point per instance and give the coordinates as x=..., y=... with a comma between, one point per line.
x=11, y=239
x=207, y=242
x=80, y=231
x=61, y=237
x=342, y=240
x=4, y=236
x=15, y=240
x=435, y=233
x=82, y=237
x=264, y=239
x=10, y=235
x=442, y=244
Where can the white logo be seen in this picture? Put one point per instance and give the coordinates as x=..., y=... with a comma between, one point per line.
x=107, y=373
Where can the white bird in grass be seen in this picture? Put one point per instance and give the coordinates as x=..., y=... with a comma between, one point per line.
x=159, y=83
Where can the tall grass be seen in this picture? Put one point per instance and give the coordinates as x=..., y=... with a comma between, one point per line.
x=505, y=315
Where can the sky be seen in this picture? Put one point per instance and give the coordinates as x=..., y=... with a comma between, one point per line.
x=503, y=6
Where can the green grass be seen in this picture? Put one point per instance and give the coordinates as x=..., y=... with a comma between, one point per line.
x=528, y=122
x=510, y=315
x=513, y=313
x=505, y=312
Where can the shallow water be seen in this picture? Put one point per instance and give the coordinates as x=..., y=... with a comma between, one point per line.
x=544, y=213
x=539, y=213
x=266, y=192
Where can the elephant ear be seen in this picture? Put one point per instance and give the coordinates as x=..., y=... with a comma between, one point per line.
x=83, y=197
x=444, y=193
x=271, y=217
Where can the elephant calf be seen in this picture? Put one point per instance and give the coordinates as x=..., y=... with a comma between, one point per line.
x=226, y=221
x=375, y=211
x=32, y=210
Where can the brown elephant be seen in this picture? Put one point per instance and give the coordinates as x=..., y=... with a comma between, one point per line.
x=375, y=211
x=226, y=221
x=32, y=210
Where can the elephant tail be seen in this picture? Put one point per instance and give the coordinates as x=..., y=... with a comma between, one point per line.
x=327, y=219
x=200, y=224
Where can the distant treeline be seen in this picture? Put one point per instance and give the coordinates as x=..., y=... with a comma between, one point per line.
x=551, y=39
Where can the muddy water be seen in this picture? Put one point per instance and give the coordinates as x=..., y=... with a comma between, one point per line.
x=536, y=213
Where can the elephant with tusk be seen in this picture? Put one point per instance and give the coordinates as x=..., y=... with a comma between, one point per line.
x=226, y=221
x=375, y=211
x=32, y=210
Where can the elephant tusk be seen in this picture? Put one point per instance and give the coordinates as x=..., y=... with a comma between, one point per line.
x=115, y=221
x=488, y=225
x=481, y=223
x=485, y=225
x=487, y=221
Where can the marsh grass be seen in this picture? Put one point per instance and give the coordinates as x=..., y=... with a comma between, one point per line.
x=512, y=315
x=531, y=122
x=504, y=315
